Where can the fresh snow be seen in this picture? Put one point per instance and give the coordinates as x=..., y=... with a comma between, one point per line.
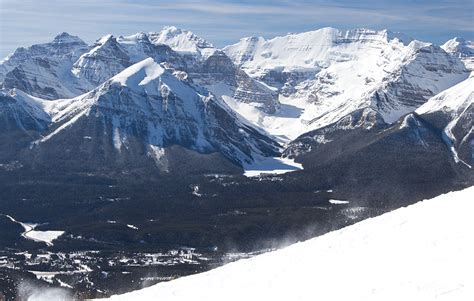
x=420, y=252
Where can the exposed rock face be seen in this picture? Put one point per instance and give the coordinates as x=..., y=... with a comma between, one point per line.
x=224, y=79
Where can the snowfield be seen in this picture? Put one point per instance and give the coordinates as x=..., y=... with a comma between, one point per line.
x=421, y=252
x=39, y=236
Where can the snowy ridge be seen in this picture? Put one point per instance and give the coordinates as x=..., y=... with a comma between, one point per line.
x=428, y=247
x=462, y=49
x=454, y=103
x=453, y=100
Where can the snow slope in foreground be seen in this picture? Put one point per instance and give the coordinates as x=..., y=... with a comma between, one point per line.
x=421, y=252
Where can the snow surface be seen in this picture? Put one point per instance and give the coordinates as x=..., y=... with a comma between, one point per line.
x=453, y=100
x=338, y=202
x=270, y=165
x=40, y=236
x=420, y=252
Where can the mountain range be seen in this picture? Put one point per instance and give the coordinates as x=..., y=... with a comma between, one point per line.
x=134, y=100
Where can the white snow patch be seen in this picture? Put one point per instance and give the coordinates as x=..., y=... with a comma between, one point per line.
x=196, y=191
x=338, y=202
x=132, y=227
x=420, y=252
x=271, y=165
x=37, y=235
x=43, y=236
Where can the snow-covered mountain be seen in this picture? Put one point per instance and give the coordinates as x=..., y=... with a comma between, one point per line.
x=462, y=49
x=302, y=91
x=422, y=251
x=43, y=70
x=326, y=74
x=144, y=109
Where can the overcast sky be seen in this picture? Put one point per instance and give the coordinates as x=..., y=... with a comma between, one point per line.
x=26, y=22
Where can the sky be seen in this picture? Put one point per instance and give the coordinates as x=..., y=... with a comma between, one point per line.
x=27, y=22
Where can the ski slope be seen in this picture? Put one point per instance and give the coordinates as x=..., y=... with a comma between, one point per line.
x=421, y=252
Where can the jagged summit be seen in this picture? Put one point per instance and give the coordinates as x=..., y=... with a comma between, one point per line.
x=182, y=41
x=65, y=37
x=459, y=46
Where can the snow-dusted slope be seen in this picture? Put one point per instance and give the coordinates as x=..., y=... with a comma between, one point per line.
x=326, y=74
x=63, y=45
x=452, y=111
x=44, y=70
x=20, y=111
x=421, y=252
x=453, y=100
x=462, y=49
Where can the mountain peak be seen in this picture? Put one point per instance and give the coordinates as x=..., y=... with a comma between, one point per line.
x=105, y=39
x=460, y=46
x=65, y=37
x=139, y=74
x=180, y=40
